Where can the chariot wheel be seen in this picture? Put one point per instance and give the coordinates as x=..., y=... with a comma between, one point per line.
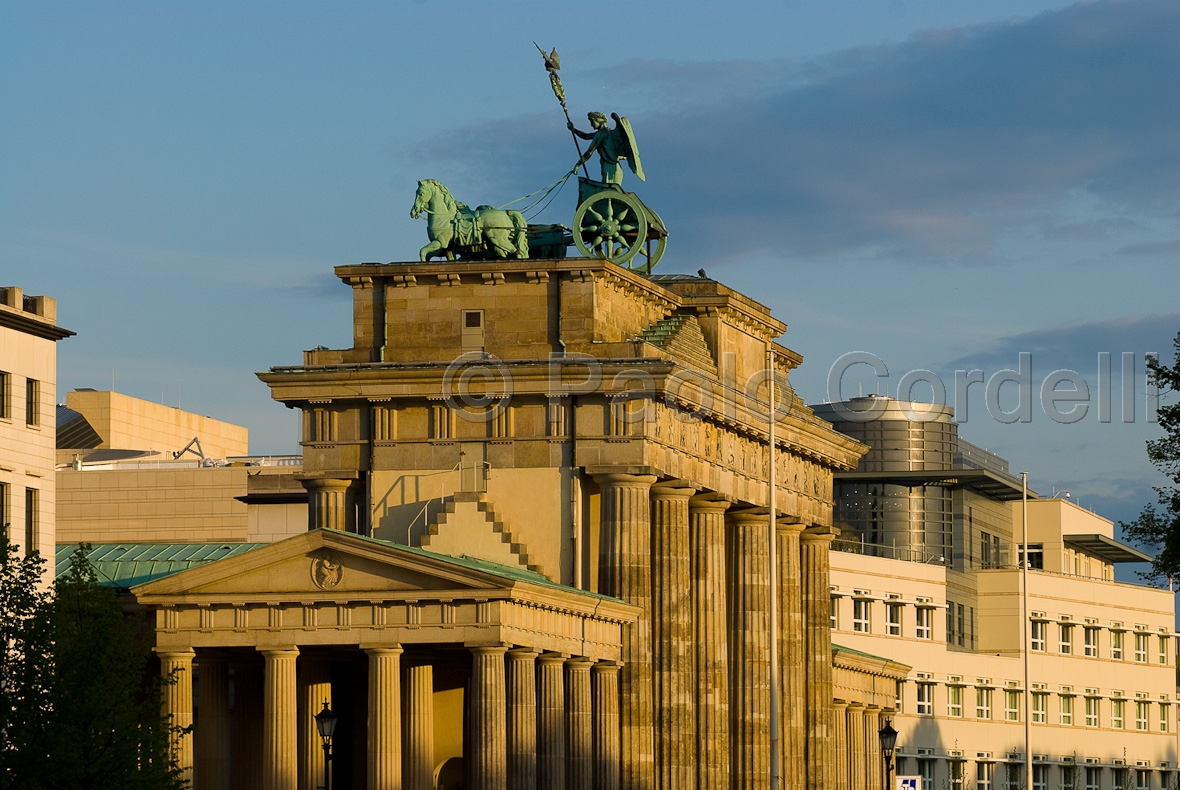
x=610, y=225
x=652, y=248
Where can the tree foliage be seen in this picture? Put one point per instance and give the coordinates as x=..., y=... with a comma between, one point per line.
x=80, y=709
x=1159, y=527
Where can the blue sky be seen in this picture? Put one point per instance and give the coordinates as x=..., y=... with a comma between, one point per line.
x=941, y=184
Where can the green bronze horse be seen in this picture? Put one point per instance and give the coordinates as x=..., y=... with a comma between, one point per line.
x=452, y=227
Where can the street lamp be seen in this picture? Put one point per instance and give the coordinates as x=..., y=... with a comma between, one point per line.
x=325, y=722
x=888, y=737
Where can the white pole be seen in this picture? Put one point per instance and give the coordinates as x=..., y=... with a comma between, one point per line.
x=775, y=691
x=1024, y=648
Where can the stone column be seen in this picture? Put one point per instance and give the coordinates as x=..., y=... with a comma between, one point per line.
x=790, y=651
x=841, y=777
x=550, y=721
x=247, y=750
x=579, y=727
x=385, y=718
x=710, y=640
x=280, y=735
x=178, y=703
x=874, y=762
x=604, y=683
x=817, y=653
x=315, y=688
x=418, y=727
x=856, y=746
x=624, y=564
x=673, y=658
x=327, y=504
x=487, y=714
x=748, y=548
x=522, y=719
x=213, y=745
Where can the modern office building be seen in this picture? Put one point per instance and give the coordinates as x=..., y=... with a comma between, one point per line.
x=28, y=388
x=926, y=572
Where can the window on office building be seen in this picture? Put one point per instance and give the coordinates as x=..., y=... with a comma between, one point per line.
x=954, y=701
x=1119, y=780
x=1093, y=779
x=983, y=703
x=1116, y=645
x=1141, y=648
x=834, y=616
x=1141, y=712
x=1165, y=717
x=899, y=696
x=1037, y=632
x=860, y=615
x=983, y=776
x=955, y=767
x=926, y=771
x=1012, y=706
x=1066, y=639
x=1093, y=705
x=923, y=623
x=1117, y=709
x=1013, y=776
x=32, y=402
x=1040, y=777
x=1067, y=776
x=925, y=699
x=1163, y=651
x=5, y=395
x=1142, y=779
x=1040, y=702
x=950, y=623
x=5, y=516
x=1091, y=639
x=962, y=623
x=32, y=519
x=893, y=619
x=1066, y=709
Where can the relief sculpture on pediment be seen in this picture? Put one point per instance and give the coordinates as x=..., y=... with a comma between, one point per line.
x=327, y=569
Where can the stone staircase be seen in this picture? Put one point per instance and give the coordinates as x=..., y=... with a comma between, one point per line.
x=455, y=531
x=680, y=335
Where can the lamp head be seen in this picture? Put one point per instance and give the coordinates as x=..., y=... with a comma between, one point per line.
x=325, y=722
x=888, y=737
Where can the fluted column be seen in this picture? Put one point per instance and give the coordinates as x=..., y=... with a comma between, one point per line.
x=748, y=548
x=856, y=746
x=522, y=719
x=624, y=573
x=817, y=653
x=280, y=706
x=550, y=721
x=213, y=734
x=327, y=504
x=315, y=688
x=874, y=762
x=579, y=725
x=385, y=718
x=604, y=682
x=672, y=655
x=248, y=704
x=487, y=715
x=178, y=704
x=841, y=780
x=791, y=664
x=710, y=641
x=418, y=727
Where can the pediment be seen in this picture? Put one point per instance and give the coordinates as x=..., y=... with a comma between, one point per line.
x=325, y=563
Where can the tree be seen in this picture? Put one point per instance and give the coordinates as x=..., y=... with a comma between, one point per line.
x=1160, y=529
x=96, y=722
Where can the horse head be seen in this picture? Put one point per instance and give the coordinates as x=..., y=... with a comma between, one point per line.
x=421, y=200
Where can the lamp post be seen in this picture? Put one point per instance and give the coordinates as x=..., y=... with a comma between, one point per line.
x=888, y=737
x=325, y=722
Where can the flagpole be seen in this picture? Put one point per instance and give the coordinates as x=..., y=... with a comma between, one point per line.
x=1028, y=763
x=772, y=526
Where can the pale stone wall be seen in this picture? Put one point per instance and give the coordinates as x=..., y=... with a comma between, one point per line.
x=28, y=351
x=127, y=423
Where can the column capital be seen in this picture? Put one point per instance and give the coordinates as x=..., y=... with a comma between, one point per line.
x=550, y=657
x=524, y=652
x=279, y=652
x=673, y=489
x=624, y=479
x=489, y=650
x=819, y=534
x=709, y=502
x=579, y=661
x=841, y=703
x=176, y=654
x=383, y=650
x=855, y=704
x=606, y=667
x=789, y=524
